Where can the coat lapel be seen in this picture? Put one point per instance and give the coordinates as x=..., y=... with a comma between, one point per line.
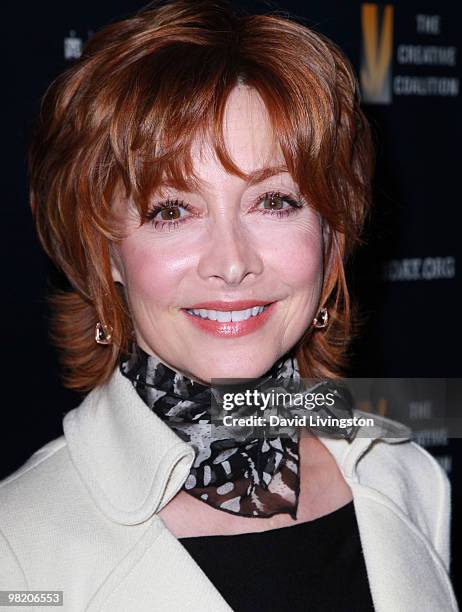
x=133, y=464
x=157, y=574
x=130, y=460
x=403, y=570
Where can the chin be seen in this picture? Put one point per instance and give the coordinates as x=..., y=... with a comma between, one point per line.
x=237, y=370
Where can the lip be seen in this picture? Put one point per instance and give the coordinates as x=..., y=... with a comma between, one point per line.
x=231, y=329
x=227, y=306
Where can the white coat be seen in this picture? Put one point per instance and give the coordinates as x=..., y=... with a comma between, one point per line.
x=81, y=515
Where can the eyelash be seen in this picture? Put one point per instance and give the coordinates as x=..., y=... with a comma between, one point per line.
x=169, y=203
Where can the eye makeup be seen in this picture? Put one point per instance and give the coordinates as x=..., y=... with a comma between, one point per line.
x=171, y=206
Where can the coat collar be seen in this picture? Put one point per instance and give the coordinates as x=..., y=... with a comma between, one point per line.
x=133, y=463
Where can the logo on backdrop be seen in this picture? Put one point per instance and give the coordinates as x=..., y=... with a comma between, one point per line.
x=73, y=45
x=425, y=44
x=376, y=53
x=419, y=268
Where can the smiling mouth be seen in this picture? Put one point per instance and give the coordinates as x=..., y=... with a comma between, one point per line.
x=223, y=322
x=226, y=316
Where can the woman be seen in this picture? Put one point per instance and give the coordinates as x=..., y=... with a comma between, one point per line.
x=201, y=176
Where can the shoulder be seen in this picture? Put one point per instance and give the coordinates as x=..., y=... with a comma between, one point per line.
x=403, y=467
x=35, y=475
x=39, y=490
x=387, y=449
x=37, y=499
x=42, y=455
x=406, y=474
x=28, y=502
x=46, y=506
x=43, y=491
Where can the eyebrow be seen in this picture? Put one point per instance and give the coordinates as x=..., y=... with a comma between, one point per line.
x=253, y=178
x=258, y=176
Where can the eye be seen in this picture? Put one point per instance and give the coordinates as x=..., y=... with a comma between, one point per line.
x=274, y=201
x=168, y=214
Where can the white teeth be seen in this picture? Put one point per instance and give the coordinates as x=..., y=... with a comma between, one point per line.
x=229, y=315
x=241, y=315
x=223, y=317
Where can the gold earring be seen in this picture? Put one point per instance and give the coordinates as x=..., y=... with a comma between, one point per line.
x=320, y=321
x=103, y=333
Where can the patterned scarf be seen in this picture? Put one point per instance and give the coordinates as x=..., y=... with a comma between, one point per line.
x=237, y=471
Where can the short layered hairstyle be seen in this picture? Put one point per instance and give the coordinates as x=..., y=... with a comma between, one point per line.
x=125, y=115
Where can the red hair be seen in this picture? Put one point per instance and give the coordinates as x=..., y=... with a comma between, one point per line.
x=126, y=115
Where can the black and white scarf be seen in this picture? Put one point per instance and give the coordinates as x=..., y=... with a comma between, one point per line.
x=247, y=474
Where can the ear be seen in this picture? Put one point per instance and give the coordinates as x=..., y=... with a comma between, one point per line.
x=116, y=264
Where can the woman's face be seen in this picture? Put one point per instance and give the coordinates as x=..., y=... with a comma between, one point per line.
x=230, y=245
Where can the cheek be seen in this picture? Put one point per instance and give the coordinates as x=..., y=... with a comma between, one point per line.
x=151, y=274
x=298, y=256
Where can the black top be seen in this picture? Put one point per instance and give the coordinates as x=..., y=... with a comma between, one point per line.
x=316, y=566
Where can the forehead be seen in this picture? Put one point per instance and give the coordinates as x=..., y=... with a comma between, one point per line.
x=248, y=132
x=248, y=138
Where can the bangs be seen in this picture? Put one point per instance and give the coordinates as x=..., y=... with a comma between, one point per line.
x=124, y=119
x=168, y=99
x=167, y=102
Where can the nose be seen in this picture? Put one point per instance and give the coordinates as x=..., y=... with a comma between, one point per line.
x=231, y=254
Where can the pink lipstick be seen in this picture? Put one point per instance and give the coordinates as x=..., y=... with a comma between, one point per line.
x=230, y=319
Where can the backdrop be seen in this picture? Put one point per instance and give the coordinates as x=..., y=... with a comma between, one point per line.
x=407, y=277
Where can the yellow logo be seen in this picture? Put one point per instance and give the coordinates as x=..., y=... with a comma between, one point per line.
x=376, y=53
